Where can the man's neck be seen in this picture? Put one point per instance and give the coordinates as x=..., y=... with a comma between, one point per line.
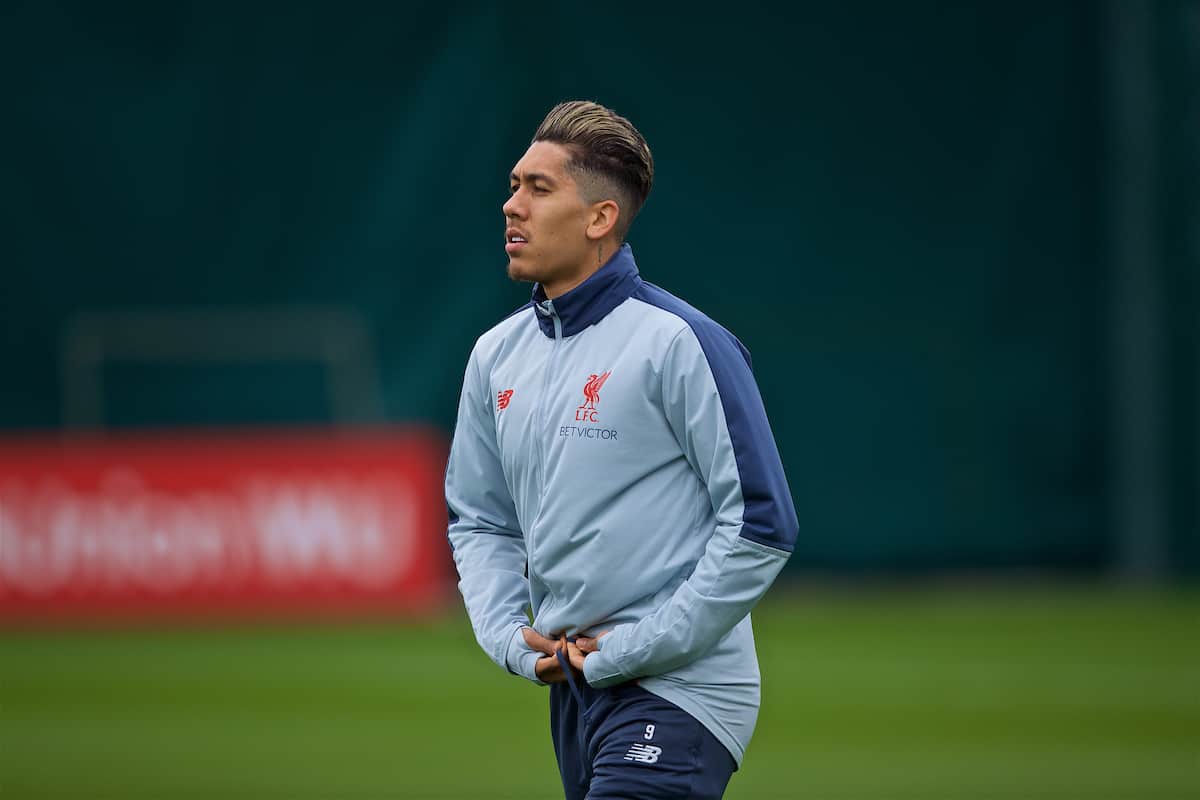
x=561, y=286
x=604, y=251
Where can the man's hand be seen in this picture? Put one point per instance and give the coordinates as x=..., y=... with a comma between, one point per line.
x=590, y=644
x=579, y=649
x=548, y=669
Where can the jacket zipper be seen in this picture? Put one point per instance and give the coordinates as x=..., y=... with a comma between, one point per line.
x=541, y=442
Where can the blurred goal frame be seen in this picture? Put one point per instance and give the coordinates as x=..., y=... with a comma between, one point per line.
x=335, y=337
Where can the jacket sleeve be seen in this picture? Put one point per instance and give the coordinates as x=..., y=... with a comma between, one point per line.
x=714, y=408
x=485, y=537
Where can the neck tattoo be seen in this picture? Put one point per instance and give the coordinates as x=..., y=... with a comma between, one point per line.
x=600, y=254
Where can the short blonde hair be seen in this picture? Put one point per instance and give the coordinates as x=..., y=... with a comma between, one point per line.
x=609, y=157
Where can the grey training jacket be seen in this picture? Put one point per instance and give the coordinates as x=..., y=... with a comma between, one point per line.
x=613, y=469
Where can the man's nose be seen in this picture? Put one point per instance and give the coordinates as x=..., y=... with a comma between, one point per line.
x=511, y=207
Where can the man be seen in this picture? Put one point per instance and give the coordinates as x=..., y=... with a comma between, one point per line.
x=613, y=472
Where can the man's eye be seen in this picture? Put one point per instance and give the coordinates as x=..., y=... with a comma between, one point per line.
x=540, y=189
x=513, y=189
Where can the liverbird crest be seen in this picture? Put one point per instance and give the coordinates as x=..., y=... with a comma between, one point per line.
x=591, y=389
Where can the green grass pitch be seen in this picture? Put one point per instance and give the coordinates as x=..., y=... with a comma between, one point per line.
x=917, y=693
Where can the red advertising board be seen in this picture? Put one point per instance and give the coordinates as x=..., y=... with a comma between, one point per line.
x=245, y=523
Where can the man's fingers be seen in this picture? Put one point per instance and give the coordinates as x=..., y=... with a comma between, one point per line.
x=539, y=642
x=589, y=644
x=549, y=670
x=575, y=655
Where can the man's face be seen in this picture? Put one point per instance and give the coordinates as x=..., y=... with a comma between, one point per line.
x=546, y=220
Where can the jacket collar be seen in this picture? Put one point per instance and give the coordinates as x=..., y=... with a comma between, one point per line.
x=592, y=300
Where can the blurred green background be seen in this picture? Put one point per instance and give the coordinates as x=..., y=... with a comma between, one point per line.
x=959, y=239
x=962, y=241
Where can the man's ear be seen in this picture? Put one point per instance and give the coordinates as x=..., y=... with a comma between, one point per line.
x=604, y=216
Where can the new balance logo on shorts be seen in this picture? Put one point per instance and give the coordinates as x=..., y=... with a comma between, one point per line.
x=645, y=753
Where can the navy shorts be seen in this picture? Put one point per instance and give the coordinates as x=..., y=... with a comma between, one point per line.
x=626, y=742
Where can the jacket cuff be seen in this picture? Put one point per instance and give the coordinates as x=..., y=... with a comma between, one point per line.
x=600, y=668
x=520, y=658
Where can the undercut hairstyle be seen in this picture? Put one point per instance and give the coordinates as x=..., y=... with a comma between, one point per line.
x=610, y=159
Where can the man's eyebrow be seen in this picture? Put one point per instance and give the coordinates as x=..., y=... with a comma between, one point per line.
x=531, y=177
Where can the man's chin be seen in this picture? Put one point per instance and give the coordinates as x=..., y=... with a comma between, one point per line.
x=519, y=272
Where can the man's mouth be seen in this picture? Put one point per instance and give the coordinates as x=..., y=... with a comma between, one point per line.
x=514, y=241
